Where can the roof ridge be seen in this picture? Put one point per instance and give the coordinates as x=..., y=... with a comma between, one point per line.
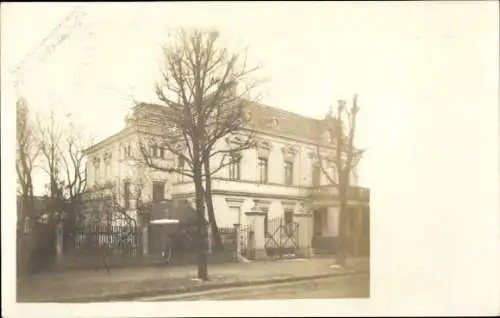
x=259, y=104
x=255, y=103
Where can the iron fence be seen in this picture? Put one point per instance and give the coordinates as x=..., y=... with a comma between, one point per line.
x=281, y=237
x=246, y=241
x=121, y=240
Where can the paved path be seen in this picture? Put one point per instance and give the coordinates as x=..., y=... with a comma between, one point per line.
x=351, y=286
x=76, y=286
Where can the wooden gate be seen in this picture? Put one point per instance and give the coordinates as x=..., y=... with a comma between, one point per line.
x=281, y=237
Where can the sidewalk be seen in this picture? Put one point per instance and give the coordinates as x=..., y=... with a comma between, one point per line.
x=130, y=283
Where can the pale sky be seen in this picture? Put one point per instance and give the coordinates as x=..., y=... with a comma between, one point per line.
x=396, y=56
x=427, y=78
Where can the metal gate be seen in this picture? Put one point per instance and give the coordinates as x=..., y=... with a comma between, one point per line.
x=246, y=241
x=281, y=237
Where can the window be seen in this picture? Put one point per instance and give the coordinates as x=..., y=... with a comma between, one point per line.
x=234, y=167
x=107, y=170
x=162, y=152
x=180, y=166
x=158, y=191
x=126, y=151
x=153, y=151
x=97, y=173
x=316, y=174
x=126, y=194
x=262, y=162
x=288, y=173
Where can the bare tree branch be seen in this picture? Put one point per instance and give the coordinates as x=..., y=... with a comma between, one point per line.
x=50, y=136
x=201, y=106
x=343, y=126
x=27, y=150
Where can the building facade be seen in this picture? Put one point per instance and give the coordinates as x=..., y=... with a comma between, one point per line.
x=281, y=175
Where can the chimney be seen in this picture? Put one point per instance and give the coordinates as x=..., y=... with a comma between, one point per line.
x=130, y=118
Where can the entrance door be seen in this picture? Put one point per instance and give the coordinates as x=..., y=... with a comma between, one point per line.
x=319, y=218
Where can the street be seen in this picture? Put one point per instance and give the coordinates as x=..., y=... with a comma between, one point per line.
x=352, y=286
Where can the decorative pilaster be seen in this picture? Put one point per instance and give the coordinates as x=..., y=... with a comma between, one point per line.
x=256, y=218
x=304, y=219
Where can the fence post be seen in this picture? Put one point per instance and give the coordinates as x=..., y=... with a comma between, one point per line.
x=256, y=216
x=237, y=232
x=59, y=241
x=304, y=237
x=250, y=244
x=145, y=240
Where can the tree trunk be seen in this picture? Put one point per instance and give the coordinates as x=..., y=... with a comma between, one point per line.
x=210, y=207
x=200, y=218
x=342, y=239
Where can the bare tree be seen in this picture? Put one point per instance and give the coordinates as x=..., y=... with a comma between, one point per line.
x=73, y=164
x=339, y=167
x=50, y=136
x=27, y=153
x=62, y=147
x=201, y=109
x=73, y=169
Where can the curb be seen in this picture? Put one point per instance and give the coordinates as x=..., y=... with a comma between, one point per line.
x=205, y=287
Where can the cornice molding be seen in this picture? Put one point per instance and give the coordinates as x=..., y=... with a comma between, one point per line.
x=234, y=202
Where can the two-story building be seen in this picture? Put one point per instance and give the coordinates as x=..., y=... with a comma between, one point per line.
x=281, y=174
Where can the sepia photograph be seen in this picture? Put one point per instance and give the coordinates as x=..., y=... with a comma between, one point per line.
x=212, y=151
x=202, y=186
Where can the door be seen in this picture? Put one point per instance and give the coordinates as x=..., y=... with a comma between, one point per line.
x=319, y=217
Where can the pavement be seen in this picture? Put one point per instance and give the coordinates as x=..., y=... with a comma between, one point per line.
x=134, y=283
x=349, y=286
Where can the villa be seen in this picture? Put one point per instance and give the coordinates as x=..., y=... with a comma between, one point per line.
x=281, y=175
